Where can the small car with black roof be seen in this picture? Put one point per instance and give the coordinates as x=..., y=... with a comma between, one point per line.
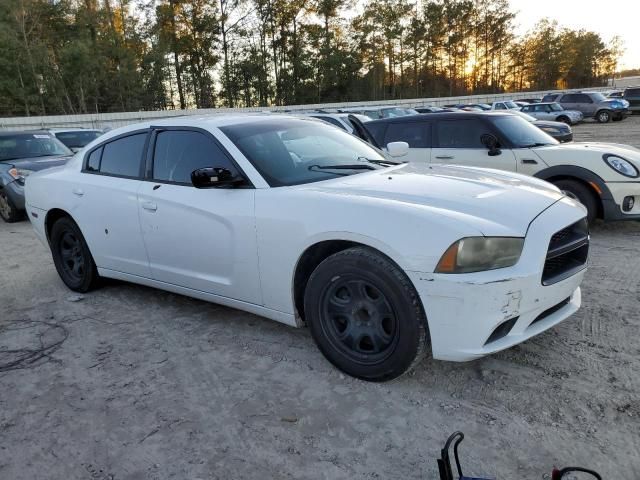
x=605, y=177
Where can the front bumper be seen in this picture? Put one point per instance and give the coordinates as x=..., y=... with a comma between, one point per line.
x=620, y=114
x=613, y=206
x=464, y=310
x=15, y=191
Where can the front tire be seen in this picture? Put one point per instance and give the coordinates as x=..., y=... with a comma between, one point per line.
x=8, y=210
x=564, y=119
x=603, y=116
x=583, y=194
x=364, y=315
x=72, y=257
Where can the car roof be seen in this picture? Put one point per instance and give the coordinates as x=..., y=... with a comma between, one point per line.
x=440, y=116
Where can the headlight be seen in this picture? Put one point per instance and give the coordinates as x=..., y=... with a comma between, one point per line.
x=620, y=165
x=20, y=173
x=476, y=254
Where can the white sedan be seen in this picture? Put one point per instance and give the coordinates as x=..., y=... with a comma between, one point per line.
x=302, y=223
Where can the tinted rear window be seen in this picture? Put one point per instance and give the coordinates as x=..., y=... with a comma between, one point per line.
x=123, y=157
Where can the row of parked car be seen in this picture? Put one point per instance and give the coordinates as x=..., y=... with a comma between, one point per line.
x=448, y=137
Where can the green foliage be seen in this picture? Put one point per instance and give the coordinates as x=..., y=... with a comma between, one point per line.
x=82, y=56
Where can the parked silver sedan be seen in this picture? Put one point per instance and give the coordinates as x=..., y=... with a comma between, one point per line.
x=553, y=111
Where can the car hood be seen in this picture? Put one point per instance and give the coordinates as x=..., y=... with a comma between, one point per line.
x=491, y=201
x=586, y=152
x=550, y=123
x=585, y=148
x=38, y=163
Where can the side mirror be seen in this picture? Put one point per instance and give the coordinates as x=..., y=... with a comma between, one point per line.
x=398, y=149
x=492, y=144
x=214, y=177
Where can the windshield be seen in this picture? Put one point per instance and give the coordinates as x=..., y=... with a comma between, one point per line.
x=521, y=133
x=511, y=104
x=77, y=139
x=296, y=151
x=29, y=145
x=556, y=107
x=598, y=97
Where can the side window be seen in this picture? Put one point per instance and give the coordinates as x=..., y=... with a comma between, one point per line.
x=179, y=152
x=568, y=98
x=460, y=133
x=377, y=131
x=123, y=156
x=527, y=108
x=582, y=98
x=540, y=108
x=416, y=134
x=500, y=106
x=93, y=162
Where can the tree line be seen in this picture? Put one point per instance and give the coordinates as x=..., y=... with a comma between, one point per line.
x=87, y=56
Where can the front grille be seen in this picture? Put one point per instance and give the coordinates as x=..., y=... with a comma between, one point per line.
x=567, y=254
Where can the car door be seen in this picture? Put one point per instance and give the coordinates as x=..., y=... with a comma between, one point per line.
x=458, y=142
x=543, y=112
x=585, y=104
x=416, y=133
x=105, y=204
x=201, y=239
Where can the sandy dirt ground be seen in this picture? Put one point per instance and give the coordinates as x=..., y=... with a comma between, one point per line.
x=141, y=384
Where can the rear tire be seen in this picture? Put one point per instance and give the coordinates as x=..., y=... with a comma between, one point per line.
x=582, y=193
x=603, y=116
x=564, y=119
x=8, y=210
x=72, y=257
x=364, y=315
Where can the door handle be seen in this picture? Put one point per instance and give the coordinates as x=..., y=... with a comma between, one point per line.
x=444, y=157
x=152, y=207
x=78, y=191
x=529, y=161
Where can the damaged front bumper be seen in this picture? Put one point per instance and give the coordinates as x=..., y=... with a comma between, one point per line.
x=476, y=314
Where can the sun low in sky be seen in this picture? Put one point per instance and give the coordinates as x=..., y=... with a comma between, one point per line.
x=608, y=19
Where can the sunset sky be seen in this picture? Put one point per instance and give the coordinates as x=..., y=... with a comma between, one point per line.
x=617, y=18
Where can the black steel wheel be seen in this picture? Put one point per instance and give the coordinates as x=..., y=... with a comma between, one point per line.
x=72, y=257
x=365, y=315
x=8, y=210
x=359, y=319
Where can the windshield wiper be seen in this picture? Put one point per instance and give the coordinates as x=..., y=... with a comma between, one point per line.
x=342, y=167
x=384, y=162
x=538, y=144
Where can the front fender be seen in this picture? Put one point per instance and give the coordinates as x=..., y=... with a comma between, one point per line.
x=581, y=174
